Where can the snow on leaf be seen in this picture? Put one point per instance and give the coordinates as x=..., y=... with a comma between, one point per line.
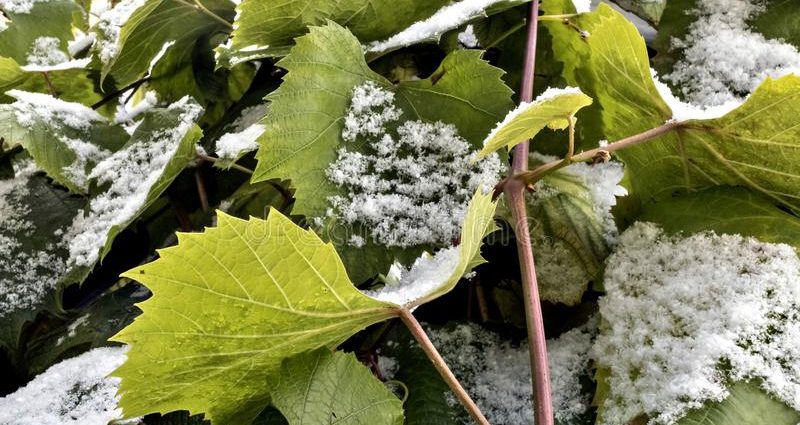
x=678, y=308
x=136, y=175
x=65, y=139
x=271, y=290
x=316, y=386
x=432, y=276
x=711, y=55
x=46, y=55
x=75, y=391
x=26, y=37
x=553, y=108
x=269, y=29
x=445, y=19
x=496, y=373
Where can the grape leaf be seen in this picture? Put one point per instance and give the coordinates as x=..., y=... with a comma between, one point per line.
x=320, y=387
x=731, y=210
x=269, y=290
x=304, y=123
x=269, y=28
x=754, y=145
x=58, y=141
x=17, y=40
x=650, y=10
x=529, y=118
x=779, y=20
x=158, y=22
x=747, y=404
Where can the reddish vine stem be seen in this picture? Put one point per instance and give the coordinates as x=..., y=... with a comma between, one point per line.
x=515, y=193
x=441, y=366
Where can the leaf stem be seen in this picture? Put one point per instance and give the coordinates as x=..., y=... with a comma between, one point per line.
x=200, y=6
x=557, y=17
x=531, y=177
x=49, y=85
x=201, y=188
x=571, y=147
x=438, y=362
x=515, y=192
x=115, y=94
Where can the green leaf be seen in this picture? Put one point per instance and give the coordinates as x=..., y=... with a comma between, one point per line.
x=731, y=210
x=529, y=118
x=306, y=117
x=650, y=10
x=269, y=28
x=44, y=19
x=779, y=20
x=747, y=404
x=270, y=290
x=158, y=22
x=33, y=264
x=59, y=141
x=321, y=387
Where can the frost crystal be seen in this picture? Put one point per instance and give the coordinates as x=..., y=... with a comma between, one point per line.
x=497, y=374
x=131, y=173
x=677, y=308
x=723, y=59
x=445, y=19
x=110, y=24
x=74, y=391
x=26, y=276
x=409, y=189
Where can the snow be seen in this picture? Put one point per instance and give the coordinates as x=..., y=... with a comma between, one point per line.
x=46, y=55
x=682, y=111
x=582, y=6
x=408, y=187
x=74, y=391
x=445, y=19
x=468, y=39
x=424, y=277
x=19, y=6
x=547, y=95
x=81, y=42
x=26, y=276
x=110, y=24
x=243, y=135
x=496, y=373
x=131, y=172
x=85, y=154
x=128, y=112
x=160, y=54
x=724, y=60
x=32, y=108
x=677, y=308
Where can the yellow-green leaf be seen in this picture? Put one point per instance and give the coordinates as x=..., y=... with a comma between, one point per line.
x=228, y=306
x=554, y=108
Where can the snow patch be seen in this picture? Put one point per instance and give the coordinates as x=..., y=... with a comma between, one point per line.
x=75, y=391
x=110, y=24
x=407, y=189
x=19, y=7
x=724, y=60
x=445, y=19
x=679, y=307
x=682, y=111
x=424, y=277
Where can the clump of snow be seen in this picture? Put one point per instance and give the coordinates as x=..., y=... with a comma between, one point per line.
x=31, y=108
x=724, y=60
x=677, y=308
x=75, y=391
x=408, y=189
x=244, y=132
x=26, y=275
x=127, y=112
x=110, y=24
x=46, y=55
x=445, y=19
x=425, y=276
x=80, y=42
x=582, y=6
x=602, y=181
x=131, y=172
x=85, y=154
x=19, y=7
x=468, y=39
x=549, y=94
x=682, y=111
x=496, y=373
